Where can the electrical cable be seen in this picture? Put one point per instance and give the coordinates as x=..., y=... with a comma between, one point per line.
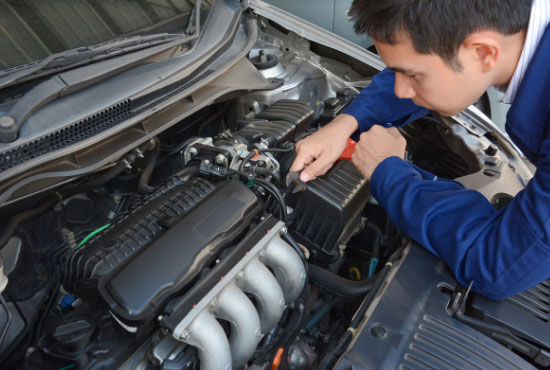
x=92, y=234
x=245, y=160
x=270, y=188
x=57, y=259
x=278, y=196
x=275, y=150
x=290, y=240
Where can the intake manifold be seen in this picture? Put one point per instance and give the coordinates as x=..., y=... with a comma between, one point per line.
x=228, y=301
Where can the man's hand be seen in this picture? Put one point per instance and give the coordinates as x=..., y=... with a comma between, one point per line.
x=376, y=145
x=317, y=153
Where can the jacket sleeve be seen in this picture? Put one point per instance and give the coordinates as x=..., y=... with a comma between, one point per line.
x=504, y=252
x=378, y=104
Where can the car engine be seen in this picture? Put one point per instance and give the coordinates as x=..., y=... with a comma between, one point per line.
x=191, y=251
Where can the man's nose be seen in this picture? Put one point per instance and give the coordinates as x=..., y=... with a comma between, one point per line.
x=403, y=88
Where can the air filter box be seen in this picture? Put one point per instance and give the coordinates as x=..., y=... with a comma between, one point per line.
x=329, y=210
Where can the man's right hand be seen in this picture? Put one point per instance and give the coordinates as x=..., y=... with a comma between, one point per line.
x=317, y=153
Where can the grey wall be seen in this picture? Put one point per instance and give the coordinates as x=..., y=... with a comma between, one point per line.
x=329, y=14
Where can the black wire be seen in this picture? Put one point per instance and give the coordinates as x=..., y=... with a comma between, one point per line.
x=57, y=262
x=277, y=194
x=245, y=160
x=8, y=321
x=290, y=240
x=270, y=189
x=275, y=150
x=281, y=203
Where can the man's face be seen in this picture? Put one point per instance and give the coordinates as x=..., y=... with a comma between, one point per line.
x=429, y=82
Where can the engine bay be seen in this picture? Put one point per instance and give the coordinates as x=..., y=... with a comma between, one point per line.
x=192, y=252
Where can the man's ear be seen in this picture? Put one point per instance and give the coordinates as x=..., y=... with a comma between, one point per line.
x=485, y=49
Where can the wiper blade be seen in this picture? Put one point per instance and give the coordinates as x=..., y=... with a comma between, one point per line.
x=77, y=79
x=82, y=55
x=71, y=81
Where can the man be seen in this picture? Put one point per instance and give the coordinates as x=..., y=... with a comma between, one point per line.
x=442, y=55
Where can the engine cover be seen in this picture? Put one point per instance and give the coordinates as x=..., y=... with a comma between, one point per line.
x=138, y=288
x=135, y=230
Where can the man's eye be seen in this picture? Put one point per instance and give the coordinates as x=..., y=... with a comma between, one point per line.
x=412, y=76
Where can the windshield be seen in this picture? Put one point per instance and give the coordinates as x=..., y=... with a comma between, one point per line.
x=31, y=30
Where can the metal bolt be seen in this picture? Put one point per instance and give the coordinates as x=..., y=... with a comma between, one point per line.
x=127, y=163
x=378, y=331
x=221, y=159
x=185, y=335
x=240, y=275
x=159, y=318
x=193, y=151
x=206, y=161
x=7, y=122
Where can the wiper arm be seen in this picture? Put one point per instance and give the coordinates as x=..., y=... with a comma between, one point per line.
x=74, y=57
x=78, y=56
x=72, y=81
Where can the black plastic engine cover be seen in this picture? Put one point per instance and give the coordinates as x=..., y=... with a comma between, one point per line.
x=137, y=228
x=329, y=210
x=525, y=315
x=410, y=326
x=283, y=121
x=139, y=288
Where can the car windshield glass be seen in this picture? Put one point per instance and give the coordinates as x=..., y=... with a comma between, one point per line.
x=32, y=30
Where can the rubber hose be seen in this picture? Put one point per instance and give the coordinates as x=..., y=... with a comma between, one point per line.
x=143, y=185
x=337, y=285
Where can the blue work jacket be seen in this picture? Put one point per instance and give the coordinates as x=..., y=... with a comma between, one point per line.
x=504, y=252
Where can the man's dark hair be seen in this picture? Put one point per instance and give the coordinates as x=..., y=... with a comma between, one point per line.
x=438, y=26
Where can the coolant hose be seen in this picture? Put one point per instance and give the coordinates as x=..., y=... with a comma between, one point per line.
x=337, y=285
x=143, y=185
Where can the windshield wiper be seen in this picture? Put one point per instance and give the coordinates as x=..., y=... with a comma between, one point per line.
x=86, y=54
x=72, y=58
x=71, y=81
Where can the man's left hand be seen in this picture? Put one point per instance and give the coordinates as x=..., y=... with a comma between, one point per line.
x=374, y=146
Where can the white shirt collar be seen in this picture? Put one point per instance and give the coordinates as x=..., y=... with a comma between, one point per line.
x=539, y=19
